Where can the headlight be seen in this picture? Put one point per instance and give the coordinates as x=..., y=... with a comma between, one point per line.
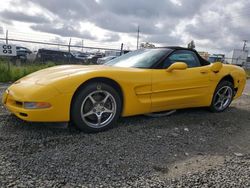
x=36, y=105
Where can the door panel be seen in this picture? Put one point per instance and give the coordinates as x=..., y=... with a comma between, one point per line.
x=180, y=88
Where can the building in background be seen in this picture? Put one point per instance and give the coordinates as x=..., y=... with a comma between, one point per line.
x=237, y=57
x=112, y=53
x=217, y=58
x=204, y=55
x=115, y=53
x=247, y=66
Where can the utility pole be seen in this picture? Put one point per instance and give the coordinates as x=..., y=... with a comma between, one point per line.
x=69, y=49
x=82, y=45
x=69, y=44
x=7, y=33
x=244, y=44
x=138, y=37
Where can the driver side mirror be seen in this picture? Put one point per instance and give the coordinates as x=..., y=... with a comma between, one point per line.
x=216, y=67
x=177, y=66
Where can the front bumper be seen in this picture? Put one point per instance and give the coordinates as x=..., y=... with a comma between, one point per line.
x=4, y=99
x=59, y=111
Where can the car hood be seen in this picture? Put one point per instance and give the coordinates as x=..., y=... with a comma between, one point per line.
x=58, y=72
x=67, y=78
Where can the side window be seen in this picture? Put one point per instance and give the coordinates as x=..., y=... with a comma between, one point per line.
x=185, y=56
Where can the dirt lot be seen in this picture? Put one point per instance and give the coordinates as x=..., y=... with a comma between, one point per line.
x=191, y=148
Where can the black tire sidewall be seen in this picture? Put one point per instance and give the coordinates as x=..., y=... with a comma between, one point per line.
x=219, y=86
x=79, y=98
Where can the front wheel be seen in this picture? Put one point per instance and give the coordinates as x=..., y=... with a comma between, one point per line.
x=223, y=96
x=96, y=107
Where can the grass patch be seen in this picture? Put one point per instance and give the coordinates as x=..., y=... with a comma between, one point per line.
x=13, y=73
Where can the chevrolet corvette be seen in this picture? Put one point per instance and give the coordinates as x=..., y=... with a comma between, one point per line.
x=144, y=81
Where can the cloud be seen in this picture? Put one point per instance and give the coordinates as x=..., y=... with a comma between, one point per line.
x=221, y=27
x=1, y=30
x=219, y=24
x=63, y=30
x=23, y=17
x=58, y=40
x=111, y=37
x=123, y=16
x=67, y=10
x=152, y=9
x=163, y=39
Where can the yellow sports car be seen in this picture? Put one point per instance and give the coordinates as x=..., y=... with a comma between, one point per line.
x=144, y=81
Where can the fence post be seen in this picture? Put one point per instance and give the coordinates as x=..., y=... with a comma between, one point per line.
x=121, y=49
x=69, y=49
x=7, y=33
x=7, y=42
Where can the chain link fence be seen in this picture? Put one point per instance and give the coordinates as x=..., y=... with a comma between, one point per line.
x=44, y=48
x=59, y=53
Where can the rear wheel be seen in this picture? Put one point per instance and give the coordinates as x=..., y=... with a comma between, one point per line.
x=223, y=96
x=96, y=108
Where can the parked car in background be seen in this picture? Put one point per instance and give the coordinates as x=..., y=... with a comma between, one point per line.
x=92, y=59
x=80, y=55
x=57, y=56
x=23, y=54
x=105, y=59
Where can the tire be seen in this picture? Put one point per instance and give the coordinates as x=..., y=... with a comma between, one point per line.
x=96, y=107
x=223, y=96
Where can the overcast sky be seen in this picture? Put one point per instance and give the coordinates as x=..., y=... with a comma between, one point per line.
x=215, y=26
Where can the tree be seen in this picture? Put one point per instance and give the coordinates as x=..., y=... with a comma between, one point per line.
x=147, y=45
x=191, y=45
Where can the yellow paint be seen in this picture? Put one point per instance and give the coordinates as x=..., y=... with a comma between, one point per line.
x=144, y=90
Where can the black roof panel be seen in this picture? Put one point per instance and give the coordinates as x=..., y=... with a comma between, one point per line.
x=177, y=48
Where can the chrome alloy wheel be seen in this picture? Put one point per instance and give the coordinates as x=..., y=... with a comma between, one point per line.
x=223, y=98
x=98, y=109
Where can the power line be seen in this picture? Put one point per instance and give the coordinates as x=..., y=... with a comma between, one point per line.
x=60, y=40
x=54, y=44
x=48, y=38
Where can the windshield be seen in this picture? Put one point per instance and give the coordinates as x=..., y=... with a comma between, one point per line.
x=143, y=58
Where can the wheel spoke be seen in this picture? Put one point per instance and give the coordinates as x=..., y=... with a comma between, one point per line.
x=106, y=98
x=217, y=102
x=226, y=98
x=225, y=91
x=88, y=113
x=92, y=99
x=99, y=119
x=218, y=93
x=108, y=111
x=221, y=105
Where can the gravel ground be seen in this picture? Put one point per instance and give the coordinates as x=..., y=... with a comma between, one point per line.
x=190, y=148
